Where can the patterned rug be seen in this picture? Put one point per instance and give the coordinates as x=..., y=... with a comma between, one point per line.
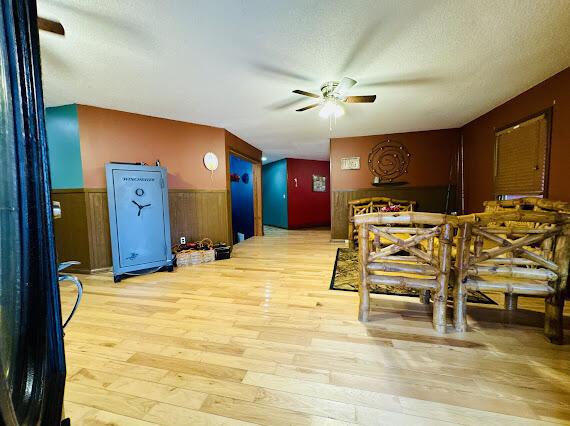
x=346, y=277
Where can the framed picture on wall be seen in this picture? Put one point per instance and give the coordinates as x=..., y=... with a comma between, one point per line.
x=319, y=183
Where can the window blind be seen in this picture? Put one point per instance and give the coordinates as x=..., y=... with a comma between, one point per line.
x=520, y=158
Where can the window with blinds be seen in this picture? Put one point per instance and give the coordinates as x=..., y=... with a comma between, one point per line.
x=521, y=153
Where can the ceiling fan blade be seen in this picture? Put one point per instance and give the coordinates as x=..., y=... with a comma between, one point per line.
x=51, y=26
x=344, y=86
x=302, y=92
x=307, y=107
x=361, y=99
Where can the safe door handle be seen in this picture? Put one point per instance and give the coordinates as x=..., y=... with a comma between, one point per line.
x=140, y=207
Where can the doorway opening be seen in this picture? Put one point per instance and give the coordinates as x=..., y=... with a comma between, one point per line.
x=243, y=194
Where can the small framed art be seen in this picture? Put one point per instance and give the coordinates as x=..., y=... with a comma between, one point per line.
x=319, y=183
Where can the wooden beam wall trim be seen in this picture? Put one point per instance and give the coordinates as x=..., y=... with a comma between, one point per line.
x=391, y=188
x=257, y=200
x=68, y=191
x=197, y=190
x=104, y=190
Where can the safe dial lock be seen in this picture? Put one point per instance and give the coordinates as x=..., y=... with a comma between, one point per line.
x=139, y=192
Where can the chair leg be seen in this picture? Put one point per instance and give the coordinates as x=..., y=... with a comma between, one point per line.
x=425, y=297
x=554, y=307
x=511, y=301
x=459, y=309
x=553, y=318
x=363, y=289
x=440, y=295
x=459, y=288
x=364, y=307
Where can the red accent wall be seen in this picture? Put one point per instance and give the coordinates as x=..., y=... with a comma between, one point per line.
x=479, y=139
x=305, y=207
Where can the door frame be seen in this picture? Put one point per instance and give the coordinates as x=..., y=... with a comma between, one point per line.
x=36, y=393
x=257, y=194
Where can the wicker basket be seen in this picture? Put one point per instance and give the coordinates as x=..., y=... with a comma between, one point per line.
x=195, y=257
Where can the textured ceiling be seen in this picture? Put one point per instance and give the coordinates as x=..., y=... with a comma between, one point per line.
x=233, y=63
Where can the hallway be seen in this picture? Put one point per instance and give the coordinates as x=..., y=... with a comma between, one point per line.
x=261, y=339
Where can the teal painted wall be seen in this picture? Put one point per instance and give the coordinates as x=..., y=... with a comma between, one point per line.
x=275, y=194
x=62, y=128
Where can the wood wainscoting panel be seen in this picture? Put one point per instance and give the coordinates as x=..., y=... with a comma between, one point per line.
x=197, y=214
x=99, y=229
x=71, y=231
x=83, y=232
x=429, y=199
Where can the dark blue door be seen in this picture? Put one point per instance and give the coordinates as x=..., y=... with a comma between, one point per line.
x=241, y=179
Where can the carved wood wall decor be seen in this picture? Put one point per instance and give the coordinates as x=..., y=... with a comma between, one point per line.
x=389, y=160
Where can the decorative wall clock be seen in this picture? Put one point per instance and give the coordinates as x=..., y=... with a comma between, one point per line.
x=388, y=161
x=211, y=161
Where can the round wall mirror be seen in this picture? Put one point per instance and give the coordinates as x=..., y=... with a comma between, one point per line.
x=211, y=161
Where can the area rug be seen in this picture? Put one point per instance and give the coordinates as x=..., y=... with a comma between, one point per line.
x=346, y=276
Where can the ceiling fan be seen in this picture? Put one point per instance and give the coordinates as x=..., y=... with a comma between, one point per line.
x=51, y=26
x=333, y=93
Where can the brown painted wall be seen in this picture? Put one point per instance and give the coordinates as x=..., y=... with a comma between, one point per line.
x=233, y=143
x=432, y=153
x=109, y=135
x=479, y=139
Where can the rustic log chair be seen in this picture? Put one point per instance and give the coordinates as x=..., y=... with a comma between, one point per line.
x=528, y=255
x=421, y=269
x=371, y=205
x=527, y=204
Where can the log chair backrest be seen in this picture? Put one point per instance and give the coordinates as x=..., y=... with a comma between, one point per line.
x=372, y=205
x=529, y=254
x=405, y=231
x=528, y=203
x=430, y=269
x=512, y=237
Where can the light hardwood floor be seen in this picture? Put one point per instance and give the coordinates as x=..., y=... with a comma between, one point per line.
x=260, y=339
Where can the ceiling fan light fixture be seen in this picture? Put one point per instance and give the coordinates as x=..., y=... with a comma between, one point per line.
x=330, y=108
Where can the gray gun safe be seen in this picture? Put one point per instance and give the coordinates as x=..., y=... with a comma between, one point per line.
x=139, y=218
